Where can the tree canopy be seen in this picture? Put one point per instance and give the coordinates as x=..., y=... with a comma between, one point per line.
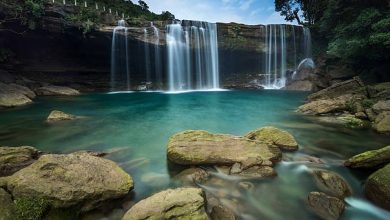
x=356, y=31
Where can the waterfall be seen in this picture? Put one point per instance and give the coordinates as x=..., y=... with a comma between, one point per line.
x=281, y=53
x=147, y=56
x=120, y=73
x=192, y=56
x=157, y=55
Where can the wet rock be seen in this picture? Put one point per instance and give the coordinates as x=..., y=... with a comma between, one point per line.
x=252, y=172
x=274, y=136
x=382, y=123
x=204, y=148
x=13, y=159
x=7, y=207
x=326, y=207
x=305, y=85
x=181, y=203
x=222, y=213
x=352, y=122
x=377, y=188
x=325, y=106
x=70, y=180
x=246, y=185
x=361, y=115
x=381, y=106
x=370, y=114
x=11, y=96
x=353, y=86
x=370, y=159
x=55, y=116
x=56, y=91
x=191, y=176
x=332, y=183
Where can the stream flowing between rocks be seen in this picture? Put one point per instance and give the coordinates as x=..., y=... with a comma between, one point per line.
x=135, y=128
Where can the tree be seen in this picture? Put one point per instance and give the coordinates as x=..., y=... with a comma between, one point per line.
x=143, y=5
x=166, y=15
x=303, y=11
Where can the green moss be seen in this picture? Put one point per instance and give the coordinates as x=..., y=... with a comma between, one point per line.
x=30, y=208
x=350, y=106
x=367, y=103
x=352, y=122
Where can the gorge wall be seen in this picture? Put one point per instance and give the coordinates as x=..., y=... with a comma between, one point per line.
x=59, y=53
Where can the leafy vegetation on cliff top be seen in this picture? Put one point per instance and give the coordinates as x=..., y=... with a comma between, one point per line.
x=355, y=31
x=29, y=12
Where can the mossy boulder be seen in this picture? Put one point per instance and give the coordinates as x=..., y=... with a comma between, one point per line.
x=56, y=116
x=70, y=180
x=274, y=136
x=7, y=207
x=191, y=176
x=13, y=159
x=351, y=121
x=325, y=206
x=181, y=203
x=332, y=183
x=204, y=148
x=56, y=91
x=381, y=106
x=382, y=123
x=370, y=159
x=377, y=188
x=12, y=96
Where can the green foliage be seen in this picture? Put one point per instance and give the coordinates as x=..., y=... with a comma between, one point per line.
x=367, y=103
x=350, y=105
x=36, y=8
x=30, y=208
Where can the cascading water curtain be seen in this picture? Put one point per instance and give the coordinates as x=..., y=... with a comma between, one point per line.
x=120, y=73
x=192, y=56
x=275, y=58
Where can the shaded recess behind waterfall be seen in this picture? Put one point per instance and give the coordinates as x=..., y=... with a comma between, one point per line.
x=187, y=55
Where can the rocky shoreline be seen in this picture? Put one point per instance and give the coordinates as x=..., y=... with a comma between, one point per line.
x=38, y=184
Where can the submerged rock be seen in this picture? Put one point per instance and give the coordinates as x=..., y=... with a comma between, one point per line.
x=181, y=203
x=377, y=188
x=70, y=180
x=57, y=90
x=7, y=207
x=326, y=207
x=382, y=123
x=13, y=159
x=191, y=176
x=332, y=183
x=55, y=116
x=274, y=136
x=256, y=171
x=204, y=148
x=222, y=213
x=370, y=159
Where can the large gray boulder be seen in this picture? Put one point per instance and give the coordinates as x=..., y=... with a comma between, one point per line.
x=332, y=183
x=12, y=96
x=13, y=159
x=353, y=86
x=324, y=206
x=181, y=203
x=324, y=106
x=381, y=106
x=57, y=91
x=382, y=123
x=370, y=159
x=377, y=188
x=70, y=180
x=204, y=148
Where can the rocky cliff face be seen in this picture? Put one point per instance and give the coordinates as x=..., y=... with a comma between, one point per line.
x=58, y=52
